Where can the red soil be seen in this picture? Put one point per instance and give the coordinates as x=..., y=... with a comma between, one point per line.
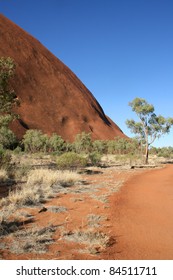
x=138, y=217
x=141, y=214
x=52, y=98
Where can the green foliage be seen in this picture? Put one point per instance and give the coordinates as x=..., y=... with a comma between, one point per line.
x=141, y=107
x=166, y=152
x=99, y=146
x=150, y=126
x=71, y=160
x=94, y=158
x=83, y=142
x=17, y=150
x=136, y=128
x=5, y=120
x=7, y=101
x=7, y=138
x=122, y=146
x=35, y=141
x=7, y=95
x=153, y=150
x=69, y=147
x=55, y=144
x=111, y=146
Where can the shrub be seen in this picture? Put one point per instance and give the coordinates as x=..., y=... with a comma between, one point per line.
x=99, y=146
x=123, y=146
x=70, y=160
x=111, y=146
x=56, y=143
x=35, y=141
x=166, y=152
x=17, y=150
x=69, y=147
x=7, y=138
x=94, y=158
x=83, y=142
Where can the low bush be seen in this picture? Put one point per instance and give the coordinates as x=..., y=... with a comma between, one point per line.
x=55, y=144
x=99, y=146
x=71, y=160
x=166, y=152
x=35, y=141
x=94, y=158
x=83, y=143
x=17, y=150
x=7, y=138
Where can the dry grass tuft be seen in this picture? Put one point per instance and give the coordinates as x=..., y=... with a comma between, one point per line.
x=88, y=237
x=9, y=227
x=33, y=240
x=95, y=220
x=57, y=209
x=6, y=211
x=50, y=177
x=3, y=175
x=94, y=242
x=39, y=187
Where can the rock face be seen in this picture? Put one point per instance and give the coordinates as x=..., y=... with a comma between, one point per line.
x=52, y=98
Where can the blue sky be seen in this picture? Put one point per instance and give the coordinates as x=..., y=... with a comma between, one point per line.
x=120, y=49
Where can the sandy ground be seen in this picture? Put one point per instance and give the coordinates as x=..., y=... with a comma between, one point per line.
x=141, y=214
x=111, y=214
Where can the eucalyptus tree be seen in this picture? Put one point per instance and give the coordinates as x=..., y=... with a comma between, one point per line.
x=150, y=126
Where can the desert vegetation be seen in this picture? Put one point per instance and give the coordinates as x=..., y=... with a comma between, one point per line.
x=40, y=168
x=37, y=169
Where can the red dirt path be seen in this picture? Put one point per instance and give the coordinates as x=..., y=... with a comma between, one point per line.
x=141, y=214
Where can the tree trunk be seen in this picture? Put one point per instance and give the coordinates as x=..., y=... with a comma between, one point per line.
x=147, y=145
x=146, y=153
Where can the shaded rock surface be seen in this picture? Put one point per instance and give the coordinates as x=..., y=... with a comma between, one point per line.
x=52, y=98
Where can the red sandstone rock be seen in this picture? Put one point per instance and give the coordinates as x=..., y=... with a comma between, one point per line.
x=52, y=98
